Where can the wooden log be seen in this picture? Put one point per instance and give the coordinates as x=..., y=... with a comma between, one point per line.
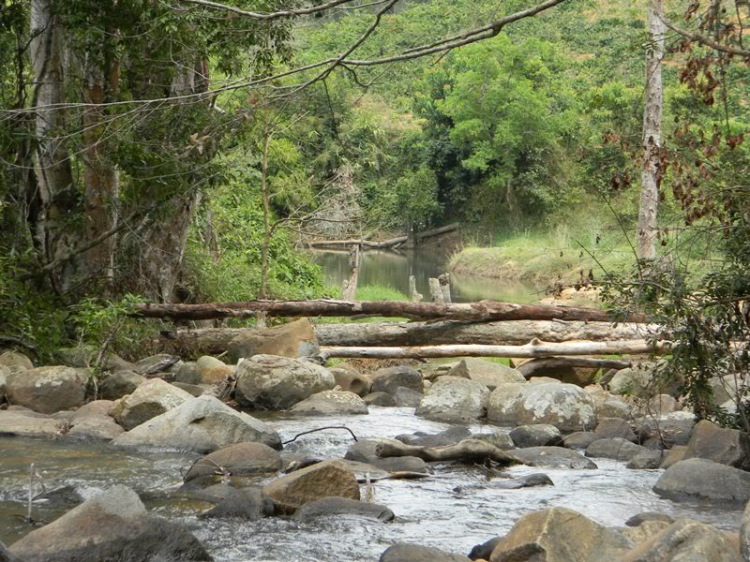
x=392, y=242
x=534, y=349
x=478, y=311
x=413, y=293
x=350, y=285
x=536, y=366
x=468, y=450
x=436, y=293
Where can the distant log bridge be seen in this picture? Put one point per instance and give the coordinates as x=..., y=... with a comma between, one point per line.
x=391, y=244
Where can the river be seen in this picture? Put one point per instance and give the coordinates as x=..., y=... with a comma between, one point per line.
x=454, y=509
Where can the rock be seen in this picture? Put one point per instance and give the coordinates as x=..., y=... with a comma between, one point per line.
x=361, y=471
x=406, y=397
x=400, y=464
x=705, y=479
x=661, y=405
x=745, y=534
x=725, y=446
x=579, y=376
x=688, y=541
x=48, y=389
x=331, y=403
x=150, y=399
x=633, y=382
x=614, y=427
x=565, y=406
x=4, y=372
x=646, y=460
x=453, y=399
x=580, y=439
x=277, y=383
x=292, y=340
x=539, y=435
x=365, y=450
x=648, y=516
x=560, y=535
x=616, y=448
x=614, y=409
x=237, y=460
x=499, y=439
x=645, y=531
x=673, y=429
x=245, y=503
x=15, y=359
x=25, y=423
x=93, y=421
x=351, y=380
x=192, y=389
x=391, y=378
x=84, y=356
x=119, y=384
x=553, y=457
x=484, y=550
x=528, y=481
x=212, y=371
x=450, y=436
x=327, y=507
x=674, y=455
x=202, y=425
x=724, y=389
x=379, y=399
x=188, y=373
x=322, y=480
x=414, y=553
x=113, y=525
x=160, y=363
x=487, y=373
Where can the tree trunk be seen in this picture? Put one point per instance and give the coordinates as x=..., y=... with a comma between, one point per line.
x=266, y=243
x=651, y=172
x=468, y=451
x=350, y=285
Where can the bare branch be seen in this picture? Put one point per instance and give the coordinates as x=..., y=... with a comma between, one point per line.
x=703, y=40
x=270, y=15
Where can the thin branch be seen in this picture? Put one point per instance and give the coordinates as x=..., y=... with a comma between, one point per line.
x=270, y=15
x=703, y=40
x=321, y=429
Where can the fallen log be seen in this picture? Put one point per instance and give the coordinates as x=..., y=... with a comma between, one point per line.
x=535, y=349
x=479, y=311
x=532, y=368
x=468, y=450
x=385, y=244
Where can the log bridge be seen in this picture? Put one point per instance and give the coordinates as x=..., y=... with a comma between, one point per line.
x=392, y=244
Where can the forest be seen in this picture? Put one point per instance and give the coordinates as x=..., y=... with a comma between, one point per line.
x=198, y=197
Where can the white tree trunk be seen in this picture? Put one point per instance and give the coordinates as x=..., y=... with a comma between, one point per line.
x=652, y=168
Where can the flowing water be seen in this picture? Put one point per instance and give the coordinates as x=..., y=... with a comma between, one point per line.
x=392, y=269
x=454, y=509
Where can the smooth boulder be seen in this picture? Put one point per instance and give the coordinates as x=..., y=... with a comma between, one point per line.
x=704, y=479
x=416, y=553
x=553, y=457
x=454, y=399
x=329, y=507
x=321, y=480
x=93, y=421
x=119, y=384
x=15, y=360
x=486, y=373
x=538, y=435
x=245, y=503
x=211, y=370
x=616, y=448
x=331, y=403
x=718, y=444
x=293, y=339
x=351, y=380
x=27, y=423
x=391, y=378
x=237, y=460
x=150, y=399
x=615, y=427
x=48, y=389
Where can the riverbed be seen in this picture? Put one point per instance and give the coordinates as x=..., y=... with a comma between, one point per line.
x=454, y=509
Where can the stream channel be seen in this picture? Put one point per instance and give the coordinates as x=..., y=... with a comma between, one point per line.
x=454, y=509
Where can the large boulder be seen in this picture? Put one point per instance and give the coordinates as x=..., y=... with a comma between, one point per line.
x=560, y=535
x=558, y=370
x=237, y=460
x=484, y=372
x=328, y=507
x=321, y=480
x=113, y=525
x=450, y=436
x=416, y=553
x=26, y=423
x=392, y=378
x=48, y=389
x=615, y=427
x=580, y=439
x=201, y=424
x=277, y=383
x=725, y=446
x=244, y=503
x=686, y=540
x=538, y=435
x=553, y=457
x=565, y=406
x=382, y=399
x=673, y=429
x=294, y=339
x=454, y=399
x=150, y=399
x=351, y=380
x=93, y=421
x=331, y=403
x=16, y=361
x=633, y=382
x=701, y=478
x=211, y=370
x=647, y=460
x=615, y=448
x=119, y=384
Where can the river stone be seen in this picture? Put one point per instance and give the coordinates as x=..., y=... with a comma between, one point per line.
x=203, y=425
x=484, y=372
x=84, y=356
x=16, y=360
x=674, y=428
x=48, y=389
x=745, y=534
x=389, y=379
x=454, y=399
x=188, y=373
x=150, y=399
x=331, y=403
x=278, y=383
x=705, y=479
x=661, y=405
x=615, y=427
x=25, y=423
x=401, y=464
x=407, y=397
x=237, y=460
x=159, y=363
x=565, y=406
x=673, y=456
x=322, y=480
x=292, y=340
x=194, y=389
x=550, y=368
x=560, y=535
x=244, y=503
x=113, y=525
x=538, y=435
x=725, y=446
x=646, y=460
x=484, y=551
x=615, y=448
x=382, y=399
x=553, y=457
x=450, y=436
x=327, y=507
x=365, y=450
x=647, y=516
x=614, y=409
x=580, y=439
x=724, y=388
x=686, y=540
x=633, y=382
x=500, y=439
x=119, y=384
x=93, y=421
x=351, y=380
x=415, y=553
x=211, y=370
x=645, y=531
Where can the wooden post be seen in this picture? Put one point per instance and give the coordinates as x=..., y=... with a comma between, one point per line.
x=445, y=287
x=349, y=292
x=415, y=296
x=436, y=293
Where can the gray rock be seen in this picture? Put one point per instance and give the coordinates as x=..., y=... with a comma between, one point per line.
x=188, y=373
x=293, y=339
x=160, y=363
x=84, y=356
x=406, y=397
x=245, y=503
x=25, y=423
x=48, y=389
x=277, y=383
x=400, y=464
x=450, y=436
x=351, y=380
x=119, y=384
x=539, y=435
x=484, y=550
x=201, y=424
x=365, y=450
x=391, y=378
x=553, y=457
x=633, y=382
x=614, y=409
x=648, y=516
x=150, y=399
x=380, y=399
x=614, y=427
x=414, y=553
x=111, y=526
x=661, y=405
x=93, y=421
x=646, y=460
x=192, y=389
x=487, y=373
x=331, y=403
x=673, y=429
x=453, y=399
x=673, y=456
x=328, y=507
x=565, y=406
x=15, y=359
x=499, y=439
x=580, y=439
x=616, y=448
x=528, y=481
x=322, y=480
x=725, y=446
x=237, y=460
x=704, y=479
